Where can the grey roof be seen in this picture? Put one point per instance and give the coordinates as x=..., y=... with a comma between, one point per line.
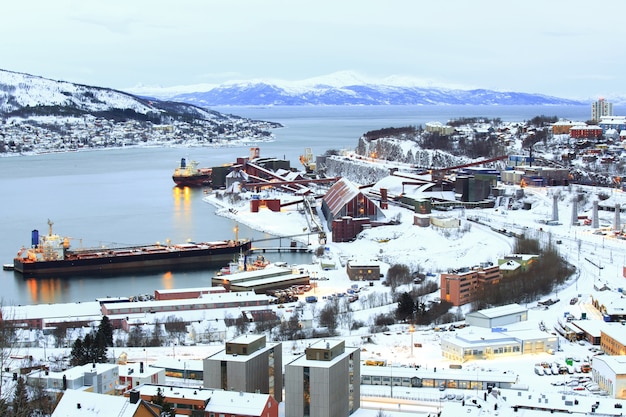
x=501, y=311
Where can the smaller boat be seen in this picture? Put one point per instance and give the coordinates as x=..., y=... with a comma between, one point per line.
x=8, y=267
x=189, y=175
x=244, y=263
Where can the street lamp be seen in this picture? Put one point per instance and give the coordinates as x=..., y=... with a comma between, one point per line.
x=391, y=378
x=411, y=330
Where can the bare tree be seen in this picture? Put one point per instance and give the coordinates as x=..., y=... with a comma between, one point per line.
x=136, y=336
x=175, y=326
x=157, y=335
x=7, y=339
x=60, y=333
x=210, y=331
x=328, y=316
x=241, y=324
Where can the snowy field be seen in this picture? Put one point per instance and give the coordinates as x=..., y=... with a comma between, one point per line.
x=598, y=255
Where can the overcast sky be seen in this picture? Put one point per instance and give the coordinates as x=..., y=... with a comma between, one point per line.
x=571, y=49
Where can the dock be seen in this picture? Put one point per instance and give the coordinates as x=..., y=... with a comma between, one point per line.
x=278, y=249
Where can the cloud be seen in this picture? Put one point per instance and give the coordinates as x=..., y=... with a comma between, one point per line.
x=531, y=46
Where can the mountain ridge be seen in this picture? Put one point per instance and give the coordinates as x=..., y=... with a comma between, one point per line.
x=24, y=95
x=268, y=94
x=343, y=88
x=42, y=115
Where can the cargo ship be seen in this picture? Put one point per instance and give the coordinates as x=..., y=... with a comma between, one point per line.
x=189, y=175
x=50, y=256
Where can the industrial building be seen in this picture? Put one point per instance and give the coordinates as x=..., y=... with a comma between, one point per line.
x=435, y=378
x=609, y=372
x=261, y=281
x=491, y=345
x=613, y=340
x=363, y=270
x=497, y=316
x=343, y=202
x=205, y=302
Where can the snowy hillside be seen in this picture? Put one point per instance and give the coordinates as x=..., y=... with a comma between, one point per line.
x=42, y=115
x=24, y=95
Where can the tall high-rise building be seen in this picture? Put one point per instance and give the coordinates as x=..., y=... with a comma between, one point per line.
x=323, y=382
x=600, y=109
x=248, y=364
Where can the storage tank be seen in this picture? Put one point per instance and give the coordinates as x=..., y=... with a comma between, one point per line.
x=34, y=238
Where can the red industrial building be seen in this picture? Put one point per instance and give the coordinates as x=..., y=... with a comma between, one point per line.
x=186, y=293
x=347, y=228
x=347, y=210
x=271, y=204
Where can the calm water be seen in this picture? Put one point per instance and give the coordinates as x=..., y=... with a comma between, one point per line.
x=127, y=196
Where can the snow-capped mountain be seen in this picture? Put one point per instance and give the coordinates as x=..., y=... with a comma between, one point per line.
x=43, y=115
x=24, y=95
x=344, y=88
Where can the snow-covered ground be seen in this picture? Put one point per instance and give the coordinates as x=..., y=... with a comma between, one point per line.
x=597, y=254
x=599, y=259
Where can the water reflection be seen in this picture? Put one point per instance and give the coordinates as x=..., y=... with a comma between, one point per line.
x=46, y=290
x=183, y=210
x=167, y=282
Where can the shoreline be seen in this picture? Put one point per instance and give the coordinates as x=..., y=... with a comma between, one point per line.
x=229, y=144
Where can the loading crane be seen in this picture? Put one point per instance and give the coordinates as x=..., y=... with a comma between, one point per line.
x=440, y=172
x=307, y=160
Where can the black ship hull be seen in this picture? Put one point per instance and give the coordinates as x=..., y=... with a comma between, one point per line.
x=134, y=260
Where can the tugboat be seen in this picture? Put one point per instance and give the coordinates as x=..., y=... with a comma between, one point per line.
x=189, y=175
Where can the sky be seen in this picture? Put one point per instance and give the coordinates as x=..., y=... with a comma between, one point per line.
x=559, y=48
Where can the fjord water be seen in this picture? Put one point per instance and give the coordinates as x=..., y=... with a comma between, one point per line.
x=126, y=196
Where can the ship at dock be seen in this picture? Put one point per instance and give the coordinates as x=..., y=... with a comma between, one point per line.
x=51, y=256
x=189, y=175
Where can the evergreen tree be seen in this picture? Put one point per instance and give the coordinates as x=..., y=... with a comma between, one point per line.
x=406, y=306
x=78, y=354
x=167, y=410
x=159, y=398
x=89, y=344
x=41, y=403
x=21, y=406
x=106, y=329
x=99, y=348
